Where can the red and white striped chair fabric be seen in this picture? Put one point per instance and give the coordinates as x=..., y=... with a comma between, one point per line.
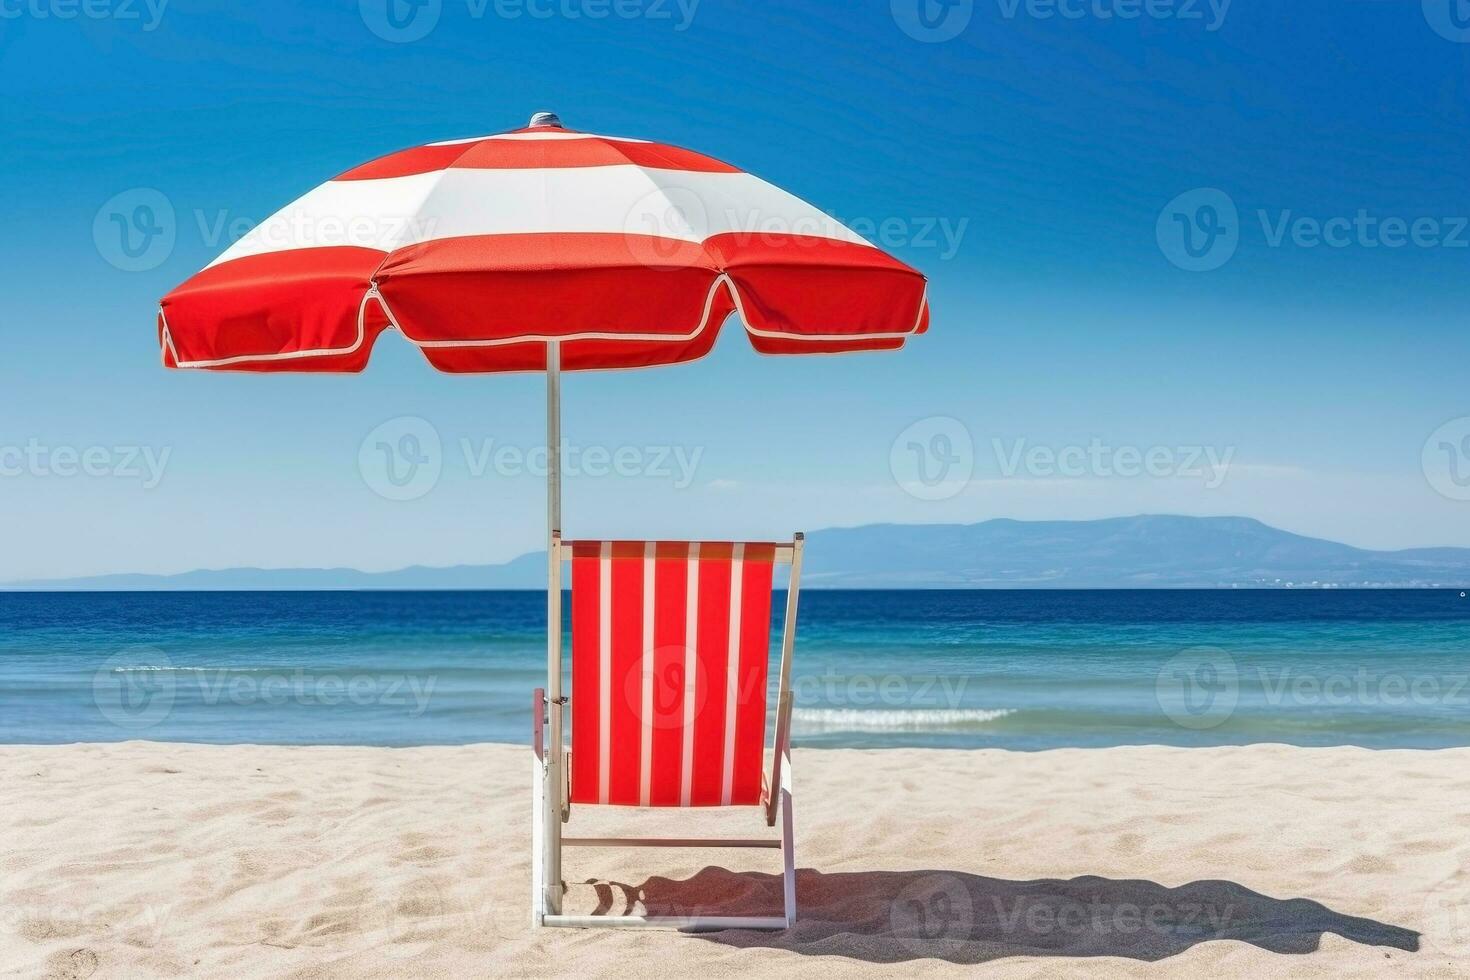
x=670, y=651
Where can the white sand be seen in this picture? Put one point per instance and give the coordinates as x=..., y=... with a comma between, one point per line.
x=143, y=859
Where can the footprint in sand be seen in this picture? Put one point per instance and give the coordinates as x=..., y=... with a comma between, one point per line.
x=76, y=964
x=1369, y=864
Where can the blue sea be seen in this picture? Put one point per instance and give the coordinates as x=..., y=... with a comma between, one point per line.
x=1009, y=669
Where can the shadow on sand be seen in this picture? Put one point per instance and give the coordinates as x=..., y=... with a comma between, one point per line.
x=893, y=916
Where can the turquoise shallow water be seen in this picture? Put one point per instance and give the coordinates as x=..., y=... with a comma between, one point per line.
x=1024, y=670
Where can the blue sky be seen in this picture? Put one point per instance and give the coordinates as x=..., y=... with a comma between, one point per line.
x=1042, y=166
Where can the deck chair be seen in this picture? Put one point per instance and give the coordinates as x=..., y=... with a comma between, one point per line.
x=670, y=666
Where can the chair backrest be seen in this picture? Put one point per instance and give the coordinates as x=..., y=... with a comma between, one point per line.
x=670, y=654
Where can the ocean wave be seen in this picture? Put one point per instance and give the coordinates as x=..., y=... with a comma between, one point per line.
x=171, y=669
x=895, y=720
x=146, y=668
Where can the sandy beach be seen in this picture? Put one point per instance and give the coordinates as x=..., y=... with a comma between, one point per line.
x=143, y=858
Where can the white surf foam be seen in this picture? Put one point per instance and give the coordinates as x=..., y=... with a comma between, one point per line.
x=894, y=720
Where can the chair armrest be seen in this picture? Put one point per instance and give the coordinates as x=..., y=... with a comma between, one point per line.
x=771, y=795
x=538, y=722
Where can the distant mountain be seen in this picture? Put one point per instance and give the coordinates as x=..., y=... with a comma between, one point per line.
x=1125, y=552
x=525, y=572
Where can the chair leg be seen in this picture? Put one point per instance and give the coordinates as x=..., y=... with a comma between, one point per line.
x=788, y=845
x=538, y=812
x=699, y=923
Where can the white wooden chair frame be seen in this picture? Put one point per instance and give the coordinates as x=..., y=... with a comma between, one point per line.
x=550, y=791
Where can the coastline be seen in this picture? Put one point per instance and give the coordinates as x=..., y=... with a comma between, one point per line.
x=893, y=669
x=323, y=861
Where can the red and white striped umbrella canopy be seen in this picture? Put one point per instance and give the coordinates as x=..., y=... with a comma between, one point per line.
x=482, y=251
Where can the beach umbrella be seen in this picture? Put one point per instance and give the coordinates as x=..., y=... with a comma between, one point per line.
x=539, y=249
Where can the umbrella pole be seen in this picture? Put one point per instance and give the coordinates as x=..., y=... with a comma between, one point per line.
x=555, y=778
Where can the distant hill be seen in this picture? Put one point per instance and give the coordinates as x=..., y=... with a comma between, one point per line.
x=1125, y=552
x=525, y=572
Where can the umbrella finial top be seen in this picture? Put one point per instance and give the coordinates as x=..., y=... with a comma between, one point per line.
x=544, y=119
